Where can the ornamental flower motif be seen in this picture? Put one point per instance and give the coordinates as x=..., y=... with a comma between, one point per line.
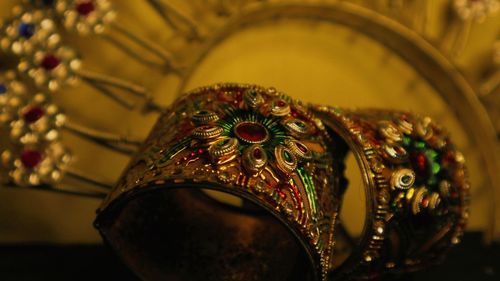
x=85, y=16
x=28, y=32
x=425, y=181
x=264, y=134
x=51, y=69
x=34, y=164
x=30, y=119
x=476, y=10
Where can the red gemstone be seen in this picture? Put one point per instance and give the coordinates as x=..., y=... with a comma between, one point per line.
x=49, y=62
x=420, y=164
x=257, y=154
x=425, y=202
x=85, y=8
x=31, y=158
x=33, y=114
x=281, y=103
x=280, y=189
x=251, y=132
x=301, y=147
x=448, y=158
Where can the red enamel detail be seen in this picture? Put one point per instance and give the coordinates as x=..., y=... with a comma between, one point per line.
x=257, y=153
x=302, y=147
x=281, y=103
x=448, y=158
x=280, y=189
x=425, y=202
x=420, y=164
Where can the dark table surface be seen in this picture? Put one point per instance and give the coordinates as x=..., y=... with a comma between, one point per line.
x=471, y=261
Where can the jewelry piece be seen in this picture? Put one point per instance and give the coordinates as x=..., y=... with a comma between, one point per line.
x=248, y=141
x=42, y=64
x=417, y=193
x=465, y=14
x=32, y=36
x=34, y=155
x=98, y=17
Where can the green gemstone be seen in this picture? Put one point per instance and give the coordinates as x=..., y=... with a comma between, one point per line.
x=394, y=206
x=406, y=141
x=432, y=181
x=406, y=179
x=223, y=142
x=252, y=93
x=420, y=144
x=300, y=124
x=435, y=168
x=287, y=156
x=432, y=154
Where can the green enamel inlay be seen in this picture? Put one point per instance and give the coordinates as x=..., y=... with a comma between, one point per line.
x=287, y=156
x=406, y=179
x=178, y=146
x=308, y=183
x=252, y=93
x=300, y=124
x=435, y=168
x=431, y=154
x=406, y=141
x=223, y=143
x=420, y=144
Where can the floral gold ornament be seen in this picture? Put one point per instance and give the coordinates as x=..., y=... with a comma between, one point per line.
x=417, y=206
x=257, y=157
x=28, y=32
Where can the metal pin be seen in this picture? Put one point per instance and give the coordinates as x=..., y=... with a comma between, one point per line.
x=102, y=83
x=172, y=16
x=115, y=142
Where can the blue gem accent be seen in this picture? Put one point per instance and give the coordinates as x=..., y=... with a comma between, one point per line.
x=3, y=89
x=26, y=30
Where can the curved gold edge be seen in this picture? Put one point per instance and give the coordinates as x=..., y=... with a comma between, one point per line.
x=353, y=261
x=439, y=71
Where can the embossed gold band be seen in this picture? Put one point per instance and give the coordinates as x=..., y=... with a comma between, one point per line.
x=415, y=184
x=285, y=161
x=248, y=141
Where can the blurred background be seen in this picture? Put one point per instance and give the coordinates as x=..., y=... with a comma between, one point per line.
x=423, y=56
